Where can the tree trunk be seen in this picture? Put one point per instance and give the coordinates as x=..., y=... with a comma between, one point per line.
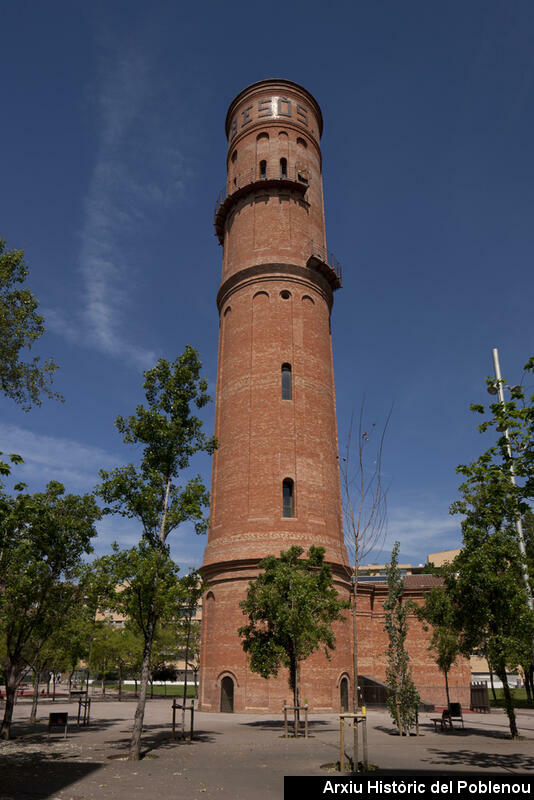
x=399, y=721
x=162, y=534
x=294, y=685
x=296, y=695
x=355, y=698
x=12, y=679
x=528, y=683
x=120, y=684
x=446, y=673
x=508, y=703
x=135, y=742
x=35, y=698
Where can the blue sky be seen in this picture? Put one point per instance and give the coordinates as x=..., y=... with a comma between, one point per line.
x=113, y=153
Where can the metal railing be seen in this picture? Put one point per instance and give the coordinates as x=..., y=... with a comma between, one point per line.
x=320, y=252
x=258, y=175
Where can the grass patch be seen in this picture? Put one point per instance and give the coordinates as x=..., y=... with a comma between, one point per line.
x=519, y=697
x=172, y=690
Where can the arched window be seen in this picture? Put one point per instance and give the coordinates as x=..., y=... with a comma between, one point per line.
x=286, y=382
x=288, y=498
x=283, y=167
x=263, y=169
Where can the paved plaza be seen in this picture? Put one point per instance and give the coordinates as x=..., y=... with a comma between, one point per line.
x=232, y=756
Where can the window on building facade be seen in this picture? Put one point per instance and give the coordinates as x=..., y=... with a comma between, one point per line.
x=263, y=169
x=286, y=382
x=283, y=167
x=288, y=498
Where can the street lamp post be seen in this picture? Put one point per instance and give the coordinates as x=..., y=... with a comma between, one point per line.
x=518, y=523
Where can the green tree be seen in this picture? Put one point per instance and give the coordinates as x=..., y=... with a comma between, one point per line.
x=71, y=641
x=20, y=327
x=128, y=653
x=189, y=631
x=528, y=530
x=43, y=540
x=170, y=434
x=148, y=594
x=509, y=464
x=438, y=611
x=105, y=648
x=490, y=577
x=404, y=698
x=485, y=582
x=290, y=607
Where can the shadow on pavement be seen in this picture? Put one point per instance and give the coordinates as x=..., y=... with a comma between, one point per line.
x=448, y=774
x=278, y=724
x=158, y=737
x=37, y=732
x=481, y=760
x=394, y=731
x=454, y=733
x=46, y=779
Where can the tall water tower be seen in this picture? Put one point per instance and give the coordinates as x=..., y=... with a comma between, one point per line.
x=275, y=480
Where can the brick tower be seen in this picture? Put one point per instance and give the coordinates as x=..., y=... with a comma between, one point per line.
x=275, y=480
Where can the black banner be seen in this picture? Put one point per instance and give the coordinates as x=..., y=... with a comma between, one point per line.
x=404, y=786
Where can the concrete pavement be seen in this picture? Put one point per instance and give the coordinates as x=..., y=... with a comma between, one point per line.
x=232, y=756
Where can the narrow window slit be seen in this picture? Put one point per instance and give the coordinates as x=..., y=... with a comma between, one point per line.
x=286, y=382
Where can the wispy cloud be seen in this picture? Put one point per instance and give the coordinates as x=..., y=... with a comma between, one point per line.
x=74, y=464
x=419, y=532
x=137, y=172
x=185, y=545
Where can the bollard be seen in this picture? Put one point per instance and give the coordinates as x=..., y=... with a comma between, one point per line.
x=365, y=753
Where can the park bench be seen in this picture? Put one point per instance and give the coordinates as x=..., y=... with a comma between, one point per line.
x=451, y=714
x=442, y=721
x=78, y=693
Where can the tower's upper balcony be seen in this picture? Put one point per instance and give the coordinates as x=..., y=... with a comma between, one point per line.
x=295, y=179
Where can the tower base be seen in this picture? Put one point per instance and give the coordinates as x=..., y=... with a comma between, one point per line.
x=227, y=683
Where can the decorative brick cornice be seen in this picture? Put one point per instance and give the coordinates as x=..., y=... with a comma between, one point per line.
x=274, y=272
